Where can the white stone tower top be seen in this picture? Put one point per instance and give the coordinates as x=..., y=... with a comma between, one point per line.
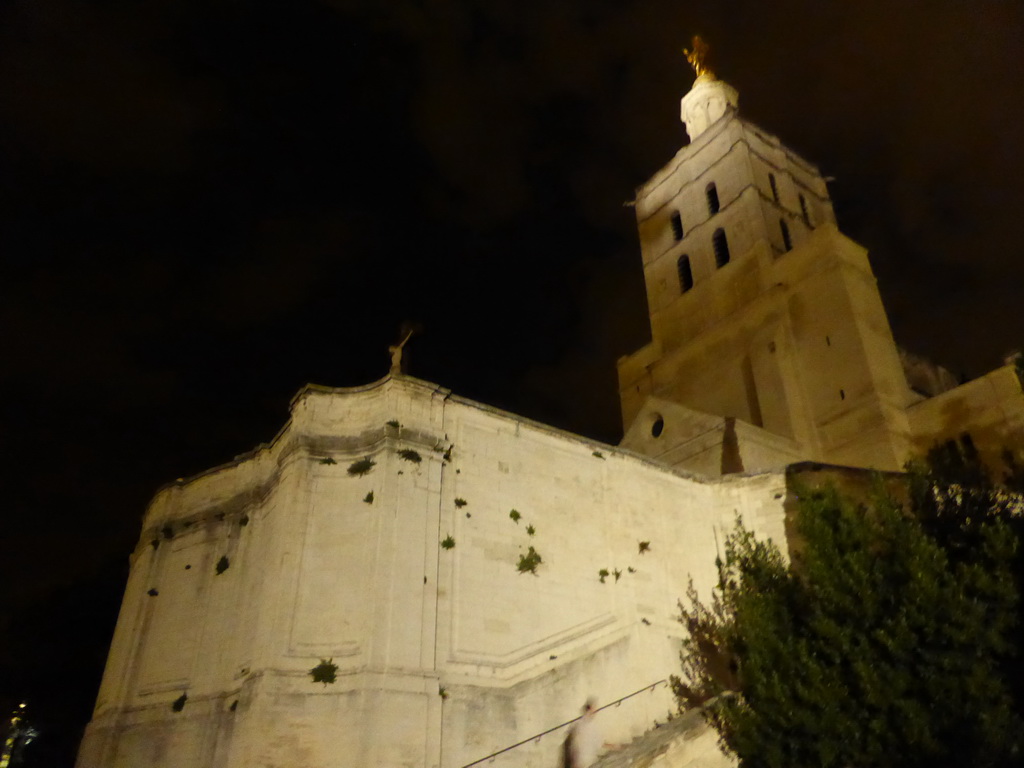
x=709, y=98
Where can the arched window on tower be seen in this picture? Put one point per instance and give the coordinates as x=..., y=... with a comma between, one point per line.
x=677, y=226
x=685, y=273
x=712, y=194
x=804, y=212
x=721, y=246
x=787, y=243
x=774, y=186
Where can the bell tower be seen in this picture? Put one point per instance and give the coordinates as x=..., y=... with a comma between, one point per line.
x=769, y=342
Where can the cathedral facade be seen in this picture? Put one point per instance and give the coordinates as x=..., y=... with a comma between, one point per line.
x=769, y=341
x=407, y=578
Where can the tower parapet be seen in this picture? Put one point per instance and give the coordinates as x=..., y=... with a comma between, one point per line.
x=706, y=102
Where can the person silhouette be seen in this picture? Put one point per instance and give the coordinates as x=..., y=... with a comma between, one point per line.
x=584, y=739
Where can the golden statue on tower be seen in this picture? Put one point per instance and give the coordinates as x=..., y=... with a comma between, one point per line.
x=698, y=57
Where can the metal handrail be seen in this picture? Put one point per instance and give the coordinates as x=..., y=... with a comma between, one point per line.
x=537, y=736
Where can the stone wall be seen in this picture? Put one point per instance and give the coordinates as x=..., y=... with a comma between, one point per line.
x=408, y=578
x=990, y=409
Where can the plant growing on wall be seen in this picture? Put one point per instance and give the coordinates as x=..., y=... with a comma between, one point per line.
x=361, y=467
x=515, y=516
x=410, y=455
x=528, y=563
x=460, y=503
x=394, y=424
x=598, y=455
x=327, y=460
x=530, y=530
x=222, y=564
x=179, y=703
x=603, y=574
x=325, y=672
x=617, y=574
x=442, y=692
x=368, y=498
x=448, y=542
x=644, y=546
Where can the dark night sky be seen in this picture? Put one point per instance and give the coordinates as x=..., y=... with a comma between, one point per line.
x=208, y=203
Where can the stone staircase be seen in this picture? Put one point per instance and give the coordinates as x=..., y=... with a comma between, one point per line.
x=684, y=742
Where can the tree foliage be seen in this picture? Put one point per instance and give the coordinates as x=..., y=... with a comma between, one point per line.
x=880, y=643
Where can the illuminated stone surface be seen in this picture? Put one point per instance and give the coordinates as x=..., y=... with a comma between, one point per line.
x=318, y=573
x=786, y=349
x=705, y=103
x=332, y=535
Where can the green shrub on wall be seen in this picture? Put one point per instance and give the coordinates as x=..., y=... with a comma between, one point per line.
x=361, y=467
x=528, y=563
x=325, y=672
